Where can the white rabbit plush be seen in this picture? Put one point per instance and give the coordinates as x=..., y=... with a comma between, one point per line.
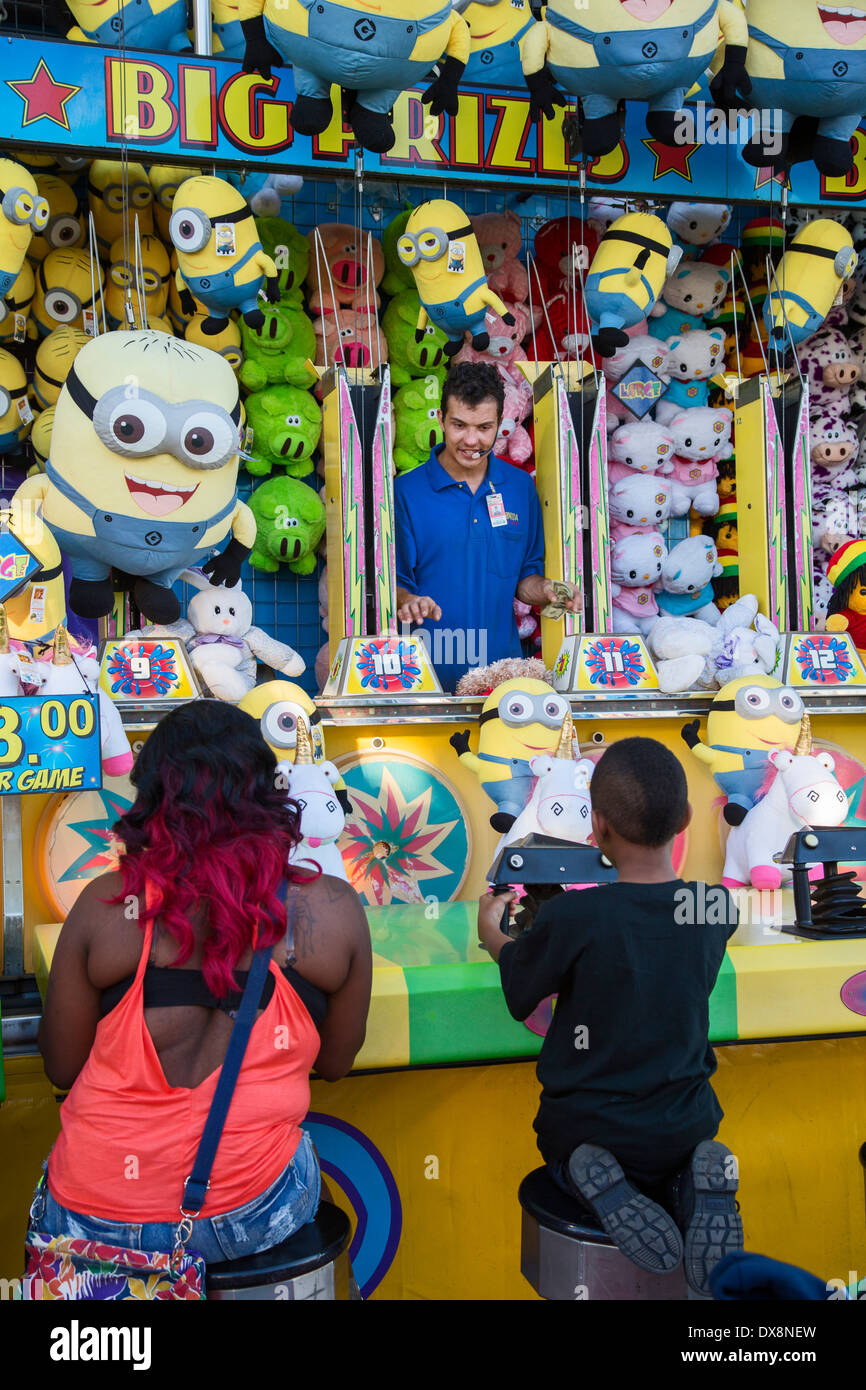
x=222, y=645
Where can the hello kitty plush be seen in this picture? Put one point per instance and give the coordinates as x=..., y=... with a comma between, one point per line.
x=635, y=568
x=689, y=297
x=691, y=361
x=642, y=447
x=698, y=224
x=638, y=502
x=222, y=645
x=500, y=237
x=701, y=437
x=686, y=589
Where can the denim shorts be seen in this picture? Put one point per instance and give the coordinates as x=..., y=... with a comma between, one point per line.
x=269, y=1219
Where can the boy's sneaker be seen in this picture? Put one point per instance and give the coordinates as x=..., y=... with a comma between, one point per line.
x=707, y=1211
x=641, y=1229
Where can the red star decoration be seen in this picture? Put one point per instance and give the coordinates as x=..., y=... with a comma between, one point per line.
x=44, y=99
x=766, y=175
x=671, y=159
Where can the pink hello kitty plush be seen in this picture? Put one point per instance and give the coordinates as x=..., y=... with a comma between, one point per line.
x=640, y=502
x=641, y=447
x=701, y=437
x=635, y=569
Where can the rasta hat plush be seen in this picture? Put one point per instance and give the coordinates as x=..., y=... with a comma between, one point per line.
x=849, y=558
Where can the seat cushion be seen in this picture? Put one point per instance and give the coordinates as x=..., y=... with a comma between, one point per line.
x=551, y=1207
x=314, y=1245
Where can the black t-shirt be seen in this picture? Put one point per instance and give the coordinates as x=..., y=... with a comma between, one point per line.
x=626, y=1062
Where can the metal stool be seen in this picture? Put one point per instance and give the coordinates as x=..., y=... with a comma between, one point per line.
x=313, y=1263
x=566, y=1255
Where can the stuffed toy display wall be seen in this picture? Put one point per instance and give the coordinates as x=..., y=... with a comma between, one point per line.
x=23, y=214
x=220, y=258
x=807, y=280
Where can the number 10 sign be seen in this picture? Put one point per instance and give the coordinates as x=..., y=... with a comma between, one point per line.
x=49, y=744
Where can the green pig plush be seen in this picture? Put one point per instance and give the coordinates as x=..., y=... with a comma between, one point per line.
x=290, y=522
x=286, y=426
x=417, y=428
x=290, y=252
x=411, y=359
x=279, y=350
x=398, y=277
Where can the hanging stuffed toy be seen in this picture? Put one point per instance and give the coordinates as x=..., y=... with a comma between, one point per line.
x=230, y=26
x=16, y=416
x=64, y=294
x=442, y=251
x=497, y=28
x=23, y=214
x=807, y=280
x=65, y=226
x=122, y=287
x=846, y=611
x=119, y=195
x=648, y=50
x=626, y=277
x=805, y=59
x=158, y=24
x=373, y=52
x=220, y=260
x=142, y=478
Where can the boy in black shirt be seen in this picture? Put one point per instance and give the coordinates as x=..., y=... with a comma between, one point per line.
x=627, y=1114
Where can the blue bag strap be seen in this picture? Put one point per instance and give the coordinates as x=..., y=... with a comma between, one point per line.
x=196, y=1185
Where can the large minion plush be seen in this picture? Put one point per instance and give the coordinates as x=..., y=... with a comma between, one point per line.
x=750, y=718
x=33, y=614
x=64, y=229
x=227, y=343
x=808, y=278
x=143, y=471
x=229, y=20
x=496, y=29
x=165, y=180
x=806, y=59
x=626, y=277
x=155, y=24
x=54, y=357
x=16, y=416
x=65, y=285
x=647, y=50
x=219, y=256
x=15, y=306
x=519, y=719
x=374, y=49
x=278, y=706
x=441, y=249
x=24, y=213
x=118, y=195
x=121, y=288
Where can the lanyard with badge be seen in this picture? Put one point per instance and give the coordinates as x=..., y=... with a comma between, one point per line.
x=495, y=507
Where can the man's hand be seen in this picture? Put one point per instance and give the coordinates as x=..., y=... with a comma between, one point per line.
x=414, y=608
x=554, y=593
x=494, y=910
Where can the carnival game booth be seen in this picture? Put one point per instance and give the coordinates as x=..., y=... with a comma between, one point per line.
x=339, y=390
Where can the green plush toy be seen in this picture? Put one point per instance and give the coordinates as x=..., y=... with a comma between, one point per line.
x=410, y=359
x=290, y=252
x=417, y=428
x=290, y=522
x=286, y=426
x=398, y=277
x=279, y=350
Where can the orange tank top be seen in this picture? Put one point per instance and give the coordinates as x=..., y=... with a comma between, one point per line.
x=128, y=1139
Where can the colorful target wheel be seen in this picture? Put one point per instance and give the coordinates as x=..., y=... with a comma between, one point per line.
x=74, y=840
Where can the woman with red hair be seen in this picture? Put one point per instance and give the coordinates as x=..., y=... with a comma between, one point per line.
x=147, y=974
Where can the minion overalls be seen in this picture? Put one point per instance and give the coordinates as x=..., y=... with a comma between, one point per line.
x=452, y=317
x=500, y=65
x=220, y=289
x=640, y=60
x=138, y=26
x=232, y=43
x=816, y=80
x=371, y=54
x=741, y=786
x=509, y=794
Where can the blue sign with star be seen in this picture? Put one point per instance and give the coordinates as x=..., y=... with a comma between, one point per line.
x=49, y=744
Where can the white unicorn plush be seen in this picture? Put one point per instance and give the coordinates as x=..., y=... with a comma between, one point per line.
x=559, y=805
x=68, y=675
x=322, y=817
x=803, y=793
x=10, y=665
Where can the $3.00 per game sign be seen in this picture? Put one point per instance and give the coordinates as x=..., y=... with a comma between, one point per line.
x=50, y=744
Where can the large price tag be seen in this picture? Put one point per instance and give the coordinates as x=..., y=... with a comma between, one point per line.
x=49, y=744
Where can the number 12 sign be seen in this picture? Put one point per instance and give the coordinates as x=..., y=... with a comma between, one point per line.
x=49, y=744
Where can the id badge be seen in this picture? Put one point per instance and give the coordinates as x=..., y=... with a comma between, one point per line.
x=496, y=509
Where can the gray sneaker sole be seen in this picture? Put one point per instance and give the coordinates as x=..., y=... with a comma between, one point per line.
x=715, y=1228
x=641, y=1229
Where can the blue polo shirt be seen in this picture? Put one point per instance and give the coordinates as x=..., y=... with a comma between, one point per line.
x=448, y=550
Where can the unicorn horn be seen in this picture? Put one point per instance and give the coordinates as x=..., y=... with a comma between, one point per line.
x=4, y=632
x=565, y=747
x=303, y=747
x=61, y=655
x=803, y=745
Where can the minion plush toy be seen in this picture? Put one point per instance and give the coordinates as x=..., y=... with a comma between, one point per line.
x=519, y=719
x=227, y=343
x=278, y=706
x=808, y=278
x=54, y=357
x=33, y=614
x=749, y=718
x=40, y=440
x=372, y=50
x=650, y=50
x=142, y=477
x=118, y=195
x=65, y=283
x=496, y=28
x=65, y=227
x=626, y=276
x=165, y=180
x=440, y=248
x=156, y=24
x=229, y=19
x=23, y=213
x=155, y=275
x=16, y=416
x=15, y=306
x=219, y=256
x=806, y=59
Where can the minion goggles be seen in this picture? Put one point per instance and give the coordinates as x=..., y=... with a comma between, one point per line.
x=756, y=702
x=191, y=229
x=518, y=708
x=429, y=244
x=23, y=208
x=7, y=397
x=197, y=433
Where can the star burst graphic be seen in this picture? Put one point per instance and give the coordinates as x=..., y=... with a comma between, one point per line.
x=389, y=843
x=99, y=854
